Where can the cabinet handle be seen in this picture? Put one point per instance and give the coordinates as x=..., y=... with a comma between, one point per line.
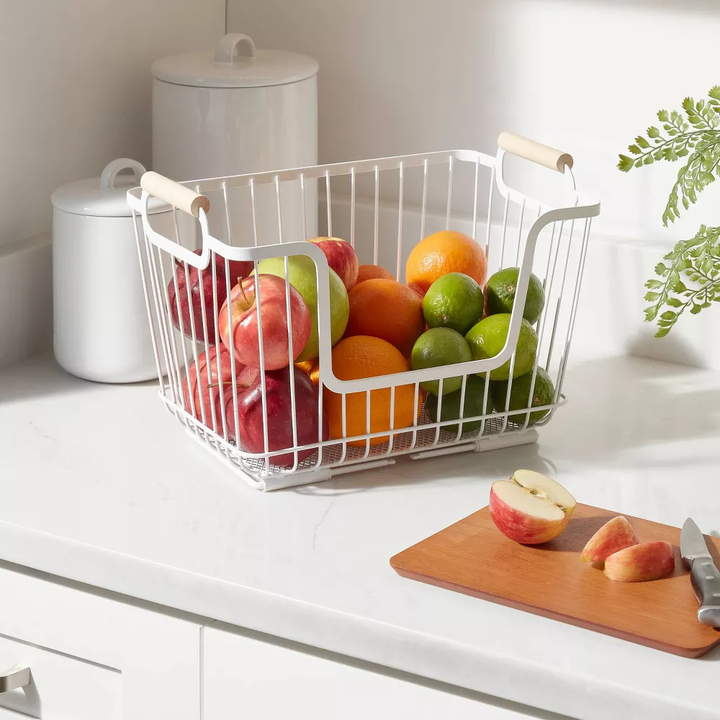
x=14, y=678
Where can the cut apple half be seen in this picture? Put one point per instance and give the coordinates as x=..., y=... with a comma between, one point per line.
x=546, y=488
x=530, y=507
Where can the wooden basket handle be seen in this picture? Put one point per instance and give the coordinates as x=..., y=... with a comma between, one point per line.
x=183, y=198
x=535, y=151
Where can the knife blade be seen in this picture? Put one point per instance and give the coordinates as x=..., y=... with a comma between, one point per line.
x=704, y=575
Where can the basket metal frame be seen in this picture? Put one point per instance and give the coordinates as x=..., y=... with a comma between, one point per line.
x=175, y=354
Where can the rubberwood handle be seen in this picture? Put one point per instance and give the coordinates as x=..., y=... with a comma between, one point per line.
x=183, y=198
x=535, y=151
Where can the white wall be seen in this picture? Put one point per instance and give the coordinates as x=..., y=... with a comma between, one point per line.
x=76, y=91
x=585, y=75
x=405, y=76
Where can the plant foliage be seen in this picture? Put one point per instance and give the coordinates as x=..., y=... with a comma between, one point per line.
x=689, y=276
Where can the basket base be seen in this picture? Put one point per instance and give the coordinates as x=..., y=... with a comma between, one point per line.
x=312, y=477
x=482, y=444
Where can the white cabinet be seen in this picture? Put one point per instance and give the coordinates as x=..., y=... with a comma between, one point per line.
x=251, y=676
x=60, y=686
x=95, y=656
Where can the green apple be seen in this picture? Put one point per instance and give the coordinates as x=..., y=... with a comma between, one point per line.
x=301, y=270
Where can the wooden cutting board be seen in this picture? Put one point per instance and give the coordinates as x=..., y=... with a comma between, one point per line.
x=474, y=558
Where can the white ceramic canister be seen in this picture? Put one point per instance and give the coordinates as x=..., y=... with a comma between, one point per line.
x=100, y=321
x=236, y=110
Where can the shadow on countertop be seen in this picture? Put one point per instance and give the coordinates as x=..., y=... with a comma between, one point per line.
x=622, y=403
x=615, y=406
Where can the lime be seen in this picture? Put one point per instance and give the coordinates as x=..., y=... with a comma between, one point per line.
x=473, y=405
x=500, y=291
x=454, y=300
x=543, y=394
x=439, y=346
x=487, y=339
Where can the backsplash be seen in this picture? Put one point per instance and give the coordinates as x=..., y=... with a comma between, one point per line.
x=610, y=317
x=77, y=94
x=26, y=298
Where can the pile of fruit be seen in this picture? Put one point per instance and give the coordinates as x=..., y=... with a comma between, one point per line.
x=532, y=509
x=446, y=314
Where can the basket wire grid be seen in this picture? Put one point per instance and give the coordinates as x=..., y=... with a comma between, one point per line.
x=250, y=222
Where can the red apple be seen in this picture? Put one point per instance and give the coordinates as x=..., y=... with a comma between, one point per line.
x=201, y=285
x=279, y=414
x=614, y=535
x=241, y=329
x=637, y=563
x=341, y=258
x=206, y=391
x=530, y=508
x=238, y=269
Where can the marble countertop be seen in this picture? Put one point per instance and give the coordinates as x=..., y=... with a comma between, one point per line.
x=101, y=485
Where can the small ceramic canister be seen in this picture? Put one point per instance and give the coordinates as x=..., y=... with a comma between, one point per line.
x=100, y=321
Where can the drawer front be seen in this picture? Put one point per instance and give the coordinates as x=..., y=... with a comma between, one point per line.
x=94, y=655
x=252, y=676
x=61, y=687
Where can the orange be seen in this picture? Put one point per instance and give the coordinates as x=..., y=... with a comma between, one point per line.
x=305, y=365
x=311, y=368
x=386, y=309
x=362, y=356
x=370, y=272
x=445, y=252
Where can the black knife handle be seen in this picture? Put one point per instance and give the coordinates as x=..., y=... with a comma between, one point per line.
x=705, y=580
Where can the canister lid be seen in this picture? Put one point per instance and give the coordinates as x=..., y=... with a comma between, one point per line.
x=235, y=63
x=105, y=196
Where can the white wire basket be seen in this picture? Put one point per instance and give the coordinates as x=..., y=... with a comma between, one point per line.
x=271, y=215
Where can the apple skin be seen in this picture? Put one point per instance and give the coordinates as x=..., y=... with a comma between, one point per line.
x=614, y=535
x=638, y=563
x=279, y=414
x=302, y=277
x=206, y=393
x=341, y=258
x=201, y=285
x=238, y=269
x=523, y=527
x=242, y=329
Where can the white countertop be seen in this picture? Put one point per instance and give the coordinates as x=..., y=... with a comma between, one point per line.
x=101, y=485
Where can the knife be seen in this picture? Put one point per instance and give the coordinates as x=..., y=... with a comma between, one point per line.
x=704, y=575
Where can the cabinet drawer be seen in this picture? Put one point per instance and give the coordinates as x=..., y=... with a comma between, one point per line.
x=254, y=676
x=61, y=686
x=95, y=655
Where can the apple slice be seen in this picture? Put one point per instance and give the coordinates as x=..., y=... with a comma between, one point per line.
x=530, y=508
x=614, y=535
x=637, y=563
